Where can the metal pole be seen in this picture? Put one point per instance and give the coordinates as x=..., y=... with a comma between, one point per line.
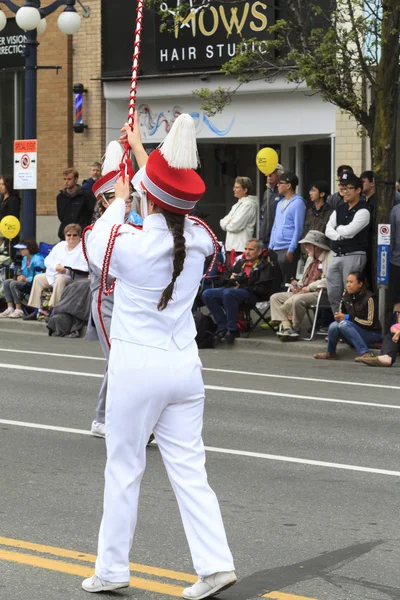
x=29, y=202
x=382, y=305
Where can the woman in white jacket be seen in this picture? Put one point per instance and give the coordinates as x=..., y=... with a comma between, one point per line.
x=241, y=220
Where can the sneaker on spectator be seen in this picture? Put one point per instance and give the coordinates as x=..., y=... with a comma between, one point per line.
x=17, y=314
x=31, y=317
x=98, y=429
x=7, y=312
x=283, y=331
x=293, y=334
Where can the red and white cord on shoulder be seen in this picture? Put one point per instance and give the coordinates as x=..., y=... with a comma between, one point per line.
x=214, y=240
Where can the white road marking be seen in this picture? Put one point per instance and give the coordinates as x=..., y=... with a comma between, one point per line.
x=78, y=356
x=217, y=388
x=228, y=371
x=276, y=457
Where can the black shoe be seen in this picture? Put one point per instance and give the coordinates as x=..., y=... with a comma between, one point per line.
x=151, y=438
x=231, y=336
x=31, y=317
x=219, y=335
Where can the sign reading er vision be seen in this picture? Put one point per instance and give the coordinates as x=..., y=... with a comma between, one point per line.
x=209, y=35
x=12, y=44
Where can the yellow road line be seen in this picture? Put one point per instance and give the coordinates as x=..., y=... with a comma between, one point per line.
x=285, y=596
x=73, y=569
x=91, y=558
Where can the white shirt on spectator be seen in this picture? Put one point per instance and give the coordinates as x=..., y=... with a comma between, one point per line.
x=60, y=255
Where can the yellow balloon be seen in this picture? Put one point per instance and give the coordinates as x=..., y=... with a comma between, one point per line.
x=267, y=160
x=10, y=227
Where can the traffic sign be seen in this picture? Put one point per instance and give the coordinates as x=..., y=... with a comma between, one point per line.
x=25, y=164
x=382, y=275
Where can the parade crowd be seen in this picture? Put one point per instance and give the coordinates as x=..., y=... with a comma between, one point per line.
x=305, y=248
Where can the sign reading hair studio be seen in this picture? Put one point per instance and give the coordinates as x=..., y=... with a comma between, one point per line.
x=206, y=37
x=12, y=44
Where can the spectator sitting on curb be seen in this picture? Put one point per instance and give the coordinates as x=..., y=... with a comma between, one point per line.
x=288, y=226
x=356, y=322
x=292, y=305
x=63, y=255
x=14, y=290
x=389, y=351
x=251, y=281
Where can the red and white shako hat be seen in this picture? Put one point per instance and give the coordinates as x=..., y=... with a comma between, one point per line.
x=110, y=170
x=169, y=178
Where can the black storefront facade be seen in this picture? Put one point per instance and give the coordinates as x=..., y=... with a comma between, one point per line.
x=188, y=56
x=11, y=92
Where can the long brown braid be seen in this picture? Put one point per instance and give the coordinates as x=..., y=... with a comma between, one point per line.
x=176, y=224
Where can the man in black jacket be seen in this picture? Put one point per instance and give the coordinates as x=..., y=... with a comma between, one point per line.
x=348, y=228
x=254, y=279
x=74, y=204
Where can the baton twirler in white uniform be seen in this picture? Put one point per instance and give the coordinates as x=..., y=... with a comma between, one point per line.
x=155, y=381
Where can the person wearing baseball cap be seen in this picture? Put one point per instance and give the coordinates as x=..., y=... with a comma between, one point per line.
x=155, y=382
x=348, y=228
x=270, y=202
x=290, y=307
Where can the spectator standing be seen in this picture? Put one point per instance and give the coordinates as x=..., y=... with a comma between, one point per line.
x=337, y=198
x=369, y=190
x=251, y=281
x=397, y=195
x=317, y=216
x=241, y=220
x=288, y=226
x=394, y=267
x=74, y=204
x=269, y=203
x=356, y=321
x=15, y=289
x=64, y=254
x=348, y=228
x=290, y=307
x=94, y=175
x=10, y=203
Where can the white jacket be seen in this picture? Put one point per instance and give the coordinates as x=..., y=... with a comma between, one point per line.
x=142, y=263
x=239, y=223
x=60, y=255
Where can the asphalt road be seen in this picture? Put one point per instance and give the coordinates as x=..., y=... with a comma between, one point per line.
x=303, y=455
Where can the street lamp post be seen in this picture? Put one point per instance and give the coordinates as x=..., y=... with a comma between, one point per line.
x=31, y=18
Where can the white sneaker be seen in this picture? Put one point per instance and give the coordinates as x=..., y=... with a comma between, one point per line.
x=95, y=584
x=98, y=429
x=210, y=585
x=7, y=312
x=17, y=314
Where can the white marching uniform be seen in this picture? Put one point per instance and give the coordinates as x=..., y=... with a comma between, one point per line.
x=155, y=385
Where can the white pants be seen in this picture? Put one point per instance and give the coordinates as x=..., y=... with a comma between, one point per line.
x=161, y=391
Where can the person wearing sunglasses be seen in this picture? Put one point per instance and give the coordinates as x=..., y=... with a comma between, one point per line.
x=67, y=253
x=348, y=228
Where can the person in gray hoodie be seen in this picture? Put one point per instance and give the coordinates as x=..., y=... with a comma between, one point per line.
x=241, y=220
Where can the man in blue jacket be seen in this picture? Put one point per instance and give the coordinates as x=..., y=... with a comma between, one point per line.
x=288, y=226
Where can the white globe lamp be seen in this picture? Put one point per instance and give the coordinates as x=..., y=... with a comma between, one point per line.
x=41, y=28
x=3, y=20
x=28, y=18
x=69, y=22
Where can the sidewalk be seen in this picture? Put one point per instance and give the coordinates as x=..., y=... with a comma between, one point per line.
x=266, y=340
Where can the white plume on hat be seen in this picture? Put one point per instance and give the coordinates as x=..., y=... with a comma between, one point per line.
x=112, y=157
x=179, y=147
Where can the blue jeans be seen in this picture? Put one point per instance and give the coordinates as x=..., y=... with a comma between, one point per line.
x=223, y=304
x=354, y=334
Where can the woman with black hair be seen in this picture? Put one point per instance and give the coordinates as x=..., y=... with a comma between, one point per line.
x=15, y=289
x=155, y=382
x=356, y=322
x=10, y=203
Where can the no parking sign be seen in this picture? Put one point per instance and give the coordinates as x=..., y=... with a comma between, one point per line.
x=382, y=275
x=25, y=164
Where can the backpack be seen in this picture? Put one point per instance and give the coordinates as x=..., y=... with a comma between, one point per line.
x=205, y=328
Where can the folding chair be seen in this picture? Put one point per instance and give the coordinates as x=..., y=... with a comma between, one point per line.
x=313, y=318
x=261, y=309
